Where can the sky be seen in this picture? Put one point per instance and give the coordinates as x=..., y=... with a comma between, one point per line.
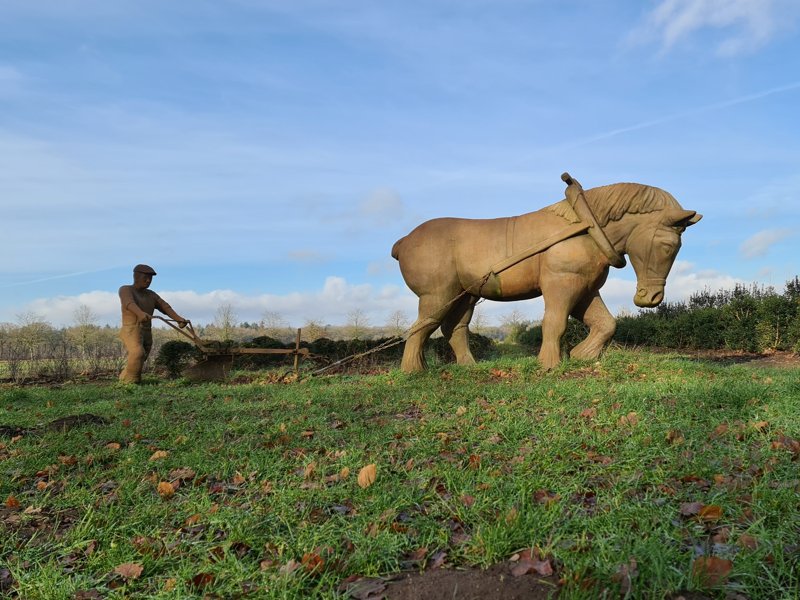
x=266, y=154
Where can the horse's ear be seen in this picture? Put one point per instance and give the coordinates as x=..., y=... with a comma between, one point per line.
x=681, y=218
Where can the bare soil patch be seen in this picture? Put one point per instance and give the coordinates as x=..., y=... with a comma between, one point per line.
x=471, y=584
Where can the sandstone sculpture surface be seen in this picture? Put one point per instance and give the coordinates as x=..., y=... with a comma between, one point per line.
x=562, y=252
x=138, y=304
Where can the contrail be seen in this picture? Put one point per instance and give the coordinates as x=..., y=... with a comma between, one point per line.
x=54, y=277
x=680, y=115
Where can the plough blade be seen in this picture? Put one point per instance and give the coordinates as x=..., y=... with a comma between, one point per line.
x=214, y=367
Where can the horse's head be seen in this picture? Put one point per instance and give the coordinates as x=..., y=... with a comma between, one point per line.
x=652, y=247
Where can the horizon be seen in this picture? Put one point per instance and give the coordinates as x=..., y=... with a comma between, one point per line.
x=266, y=156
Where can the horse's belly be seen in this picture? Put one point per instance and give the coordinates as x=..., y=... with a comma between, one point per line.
x=519, y=282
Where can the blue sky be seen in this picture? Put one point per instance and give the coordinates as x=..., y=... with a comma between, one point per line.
x=267, y=154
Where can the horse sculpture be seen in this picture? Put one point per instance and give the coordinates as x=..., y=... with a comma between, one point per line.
x=562, y=252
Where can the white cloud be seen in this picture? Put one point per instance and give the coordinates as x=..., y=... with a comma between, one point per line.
x=749, y=24
x=331, y=304
x=760, y=243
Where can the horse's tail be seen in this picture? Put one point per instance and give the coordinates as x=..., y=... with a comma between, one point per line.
x=396, y=248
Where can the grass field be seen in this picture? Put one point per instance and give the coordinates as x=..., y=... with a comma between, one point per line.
x=641, y=474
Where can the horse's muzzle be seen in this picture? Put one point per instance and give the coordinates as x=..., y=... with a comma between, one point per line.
x=648, y=297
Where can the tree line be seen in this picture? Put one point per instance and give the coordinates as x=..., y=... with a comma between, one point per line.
x=746, y=318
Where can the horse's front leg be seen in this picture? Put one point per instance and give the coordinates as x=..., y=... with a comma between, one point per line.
x=601, y=324
x=560, y=298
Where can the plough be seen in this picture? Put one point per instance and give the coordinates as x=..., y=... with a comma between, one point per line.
x=218, y=356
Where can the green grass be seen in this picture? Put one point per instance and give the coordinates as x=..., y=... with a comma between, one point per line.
x=478, y=463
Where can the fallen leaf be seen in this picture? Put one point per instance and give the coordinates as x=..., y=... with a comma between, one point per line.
x=461, y=411
x=711, y=512
x=308, y=472
x=711, y=571
x=165, y=489
x=674, y=437
x=367, y=475
x=528, y=565
x=12, y=502
x=344, y=473
x=589, y=413
x=363, y=588
x=158, y=455
x=113, y=446
x=629, y=420
x=474, y=461
x=748, y=541
x=545, y=497
x=689, y=509
x=760, y=425
x=67, y=460
x=170, y=584
x=289, y=567
x=312, y=562
x=129, y=570
x=202, y=580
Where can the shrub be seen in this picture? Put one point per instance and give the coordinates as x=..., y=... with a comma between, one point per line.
x=174, y=356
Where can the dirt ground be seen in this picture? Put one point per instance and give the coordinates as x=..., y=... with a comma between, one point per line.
x=780, y=360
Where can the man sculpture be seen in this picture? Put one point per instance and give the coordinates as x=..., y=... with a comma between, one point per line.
x=138, y=304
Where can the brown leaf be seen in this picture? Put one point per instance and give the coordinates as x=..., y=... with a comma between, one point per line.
x=67, y=460
x=129, y=570
x=290, y=567
x=312, y=562
x=202, y=580
x=467, y=500
x=474, y=461
x=674, y=437
x=629, y=420
x=158, y=455
x=720, y=430
x=589, y=413
x=711, y=571
x=461, y=411
x=165, y=489
x=367, y=475
x=711, y=512
x=545, y=497
x=528, y=565
x=760, y=425
x=170, y=584
x=344, y=473
x=309, y=470
x=689, y=509
x=12, y=502
x=113, y=446
x=748, y=541
x=238, y=479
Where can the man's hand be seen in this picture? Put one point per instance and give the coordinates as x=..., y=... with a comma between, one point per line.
x=182, y=322
x=144, y=318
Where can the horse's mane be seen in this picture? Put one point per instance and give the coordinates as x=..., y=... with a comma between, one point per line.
x=612, y=202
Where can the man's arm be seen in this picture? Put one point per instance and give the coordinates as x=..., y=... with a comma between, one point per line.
x=165, y=308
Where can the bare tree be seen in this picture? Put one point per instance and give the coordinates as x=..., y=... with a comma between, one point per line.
x=514, y=323
x=479, y=322
x=313, y=330
x=225, y=319
x=397, y=323
x=357, y=324
x=33, y=331
x=274, y=325
x=84, y=331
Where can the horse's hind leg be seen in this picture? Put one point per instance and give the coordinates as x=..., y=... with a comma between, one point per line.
x=426, y=324
x=601, y=324
x=455, y=329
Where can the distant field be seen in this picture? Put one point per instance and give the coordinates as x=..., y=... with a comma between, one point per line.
x=651, y=475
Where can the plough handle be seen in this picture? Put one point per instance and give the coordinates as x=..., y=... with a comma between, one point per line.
x=187, y=331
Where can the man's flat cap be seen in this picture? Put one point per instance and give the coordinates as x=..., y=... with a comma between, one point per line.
x=144, y=269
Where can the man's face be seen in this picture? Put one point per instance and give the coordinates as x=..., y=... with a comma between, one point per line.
x=142, y=281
